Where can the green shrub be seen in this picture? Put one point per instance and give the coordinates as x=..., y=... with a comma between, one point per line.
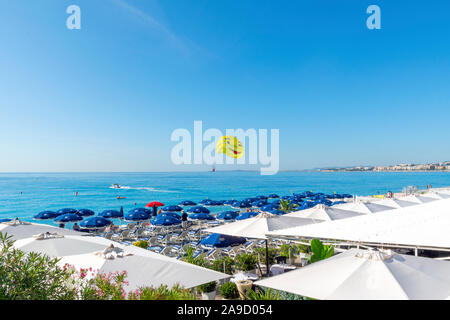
x=199, y=261
x=218, y=265
x=261, y=251
x=262, y=294
x=32, y=276
x=162, y=293
x=287, y=251
x=245, y=261
x=141, y=244
x=207, y=287
x=320, y=251
x=229, y=290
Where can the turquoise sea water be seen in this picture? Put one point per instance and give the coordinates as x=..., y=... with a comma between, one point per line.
x=25, y=194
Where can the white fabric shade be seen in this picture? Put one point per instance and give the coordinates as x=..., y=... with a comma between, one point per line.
x=257, y=227
x=144, y=268
x=424, y=225
x=394, y=203
x=363, y=207
x=322, y=212
x=22, y=231
x=367, y=275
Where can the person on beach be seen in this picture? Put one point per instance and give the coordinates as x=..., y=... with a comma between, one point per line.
x=184, y=217
x=76, y=227
x=159, y=211
x=61, y=225
x=111, y=227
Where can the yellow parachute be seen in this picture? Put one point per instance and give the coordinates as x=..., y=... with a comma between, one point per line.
x=230, y=146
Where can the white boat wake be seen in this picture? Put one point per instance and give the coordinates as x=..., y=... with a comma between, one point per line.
x=150, y=189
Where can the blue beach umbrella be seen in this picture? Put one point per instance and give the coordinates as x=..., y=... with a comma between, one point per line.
x=111, y=214
x=273, y=196
x=187, y=203
x=203, y=201
x=276, y=201
x=306, y=205
x=147, y=211
x=46, y=215
x=85, y=213
x=250, y=200
x=170, y=214
x=171, y=209
x=246, y=215
x=241, y=205
x=222, y=241
x=5, y=220
x=94, y=223
x=227, y=215
x=228, y=202
x=269, y=207
x=67, y=218
x=338, y=202
x=212, y=203
x=277, y=212
x=166, y=221
x=260, y=203
x=198, y=209
x=201, y=216
x=262, y=197
x=137, y=216
x=66, y=211
x=323, y=201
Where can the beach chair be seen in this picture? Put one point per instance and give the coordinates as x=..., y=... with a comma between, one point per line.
x=233, y=251
x=213, y=254
x=248, y=246
x=109, y=235
x=180, y=237
x=123, y=236
x=153, y=241
x=167, y=251
x=140, y=233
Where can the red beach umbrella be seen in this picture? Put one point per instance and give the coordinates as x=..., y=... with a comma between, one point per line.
x=154, y=204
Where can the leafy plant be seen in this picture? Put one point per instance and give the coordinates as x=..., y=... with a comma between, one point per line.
x=260, y=294
x=245, y=261
x=162, y=293
x=218, y=265
x=286, y=206
x=320, y=251
x=229, y=290
x=261, y=251
x=287, y=250
x=141, y=244
x=207, y=287
x=190, y=258
x=32, y=276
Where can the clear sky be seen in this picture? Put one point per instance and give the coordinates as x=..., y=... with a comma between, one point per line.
x=107, y=97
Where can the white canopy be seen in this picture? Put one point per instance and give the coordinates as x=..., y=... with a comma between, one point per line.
x=258, y=226
x=367, y=275
x=363, y=207
x=144, y=268
x=322, y=212
x=21, y=229
x=419, y=198
x=424, y=225
x=394, y=203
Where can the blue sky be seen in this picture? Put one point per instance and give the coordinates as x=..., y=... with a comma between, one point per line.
x=107, y=97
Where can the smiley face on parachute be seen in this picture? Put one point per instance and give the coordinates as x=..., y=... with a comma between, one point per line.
x=231, y=146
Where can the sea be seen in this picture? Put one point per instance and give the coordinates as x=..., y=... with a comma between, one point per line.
x=23, y=195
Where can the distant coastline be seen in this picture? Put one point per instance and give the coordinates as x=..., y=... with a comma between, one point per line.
x=429, y=167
